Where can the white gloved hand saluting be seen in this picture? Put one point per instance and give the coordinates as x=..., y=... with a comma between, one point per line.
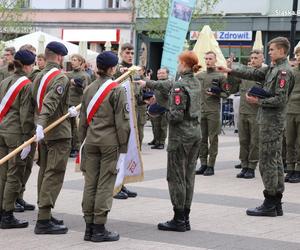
x=39, y=133
x=25, y=152
x=72, y=111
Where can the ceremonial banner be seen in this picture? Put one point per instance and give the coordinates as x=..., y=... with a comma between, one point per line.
x=178, y=23
x=130, y=165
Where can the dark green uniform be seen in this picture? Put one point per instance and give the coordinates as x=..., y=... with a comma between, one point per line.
x=15, y=128
x=276, y=79
x=105, y=138
x=55, y=148
x=160, y=124
x=210, y=115
x=247, y=124
x=76, y=93
x=293, y=126
x=6, y=71
x=184, y=139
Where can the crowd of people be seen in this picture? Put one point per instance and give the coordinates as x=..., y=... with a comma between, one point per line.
x=189, y=108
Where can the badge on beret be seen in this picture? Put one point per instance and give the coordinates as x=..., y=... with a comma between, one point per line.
x=60, y=89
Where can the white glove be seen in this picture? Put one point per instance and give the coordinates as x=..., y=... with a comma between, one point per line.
x=39, y=133
x=25, y=152
x=72, y=111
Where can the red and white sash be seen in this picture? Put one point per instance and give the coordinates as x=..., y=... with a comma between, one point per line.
x=46, y=79
x=11, y=95
x=94, y=105
x=98, y=98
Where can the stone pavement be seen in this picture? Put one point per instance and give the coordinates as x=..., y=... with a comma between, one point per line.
x=218, y=216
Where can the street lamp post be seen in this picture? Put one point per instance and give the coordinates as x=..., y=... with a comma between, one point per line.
x=293, y=27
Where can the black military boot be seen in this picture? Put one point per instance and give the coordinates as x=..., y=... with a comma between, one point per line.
x=129, y=193
x=18, y=208
x=176, y=224
x=268, y=208
x=201, y=170
x=250, y=174
x=279, y=204
x=242, y=173
x=48, y=227
x=209, y=171
x=295, y=178
x=100, y=234
x=289, y=174
x=8, y=221
x=121, y=195
x=187, y=219
x=26, y=205
x=88, y=231
x=56, y=221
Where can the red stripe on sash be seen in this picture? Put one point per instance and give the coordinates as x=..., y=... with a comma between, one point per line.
x=12, y=98
x=100, y=100
x=49, y=78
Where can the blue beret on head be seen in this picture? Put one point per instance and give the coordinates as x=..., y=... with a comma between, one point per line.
x=57, y=48
x=216, y=90
x=259, y=92
x=147, y=95
x=107, y=59
x=155, y=110
x=25, y=56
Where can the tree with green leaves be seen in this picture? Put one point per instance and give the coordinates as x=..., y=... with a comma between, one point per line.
x=13, y=21
x=155, y=15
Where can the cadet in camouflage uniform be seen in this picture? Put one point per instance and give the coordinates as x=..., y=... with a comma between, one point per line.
x=78, y=81
x=16, y=126
x=55, y=148
x=184, y=141
x=160, y=123
x=247, y=125
x=106, y=136
x=277, y=81
x=8, y=68
x=126, y=54
x=293, y=128
x=210, y=113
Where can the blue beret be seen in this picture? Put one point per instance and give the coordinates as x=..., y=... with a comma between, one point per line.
x=259, y=92
x=215, y=90
x=25, y=56
x=107, y=59
x=155, y=110
x=147, y=95
x=57, y=48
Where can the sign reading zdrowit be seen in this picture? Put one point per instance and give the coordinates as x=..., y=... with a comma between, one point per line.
x=234, y=35
x=178, y=23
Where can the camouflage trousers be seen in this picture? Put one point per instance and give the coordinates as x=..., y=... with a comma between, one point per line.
x=181, y=173
x=270, y=159
x=159, y=128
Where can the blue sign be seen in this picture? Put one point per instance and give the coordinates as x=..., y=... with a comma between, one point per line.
x=178, y=23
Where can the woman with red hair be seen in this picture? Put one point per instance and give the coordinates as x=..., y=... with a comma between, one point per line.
x=184, y=141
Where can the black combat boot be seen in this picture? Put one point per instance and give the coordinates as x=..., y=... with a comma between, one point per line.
x=209, y=171
x=187, y=219
x=250, y=174
x=268, y=208
x=201, y=170
x=129, y=193
x=289, y=174
x=121, y=195
x=56, y=221
x=88, y=231
x=26, y=205
x=48, y=227
x=242, y=173
x=100, y=234
x=8, y=221
x=295, y=178
x=18, y=208
x=279, y=204
x=176, y=224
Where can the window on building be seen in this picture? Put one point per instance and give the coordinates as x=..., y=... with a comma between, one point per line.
x=75, y=3
x=24, y=4
x=113, y=3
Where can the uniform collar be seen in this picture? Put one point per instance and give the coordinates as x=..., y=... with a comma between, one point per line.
x=51, y=65
x=280, y=61
x=210, y=70
x=125, y=64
